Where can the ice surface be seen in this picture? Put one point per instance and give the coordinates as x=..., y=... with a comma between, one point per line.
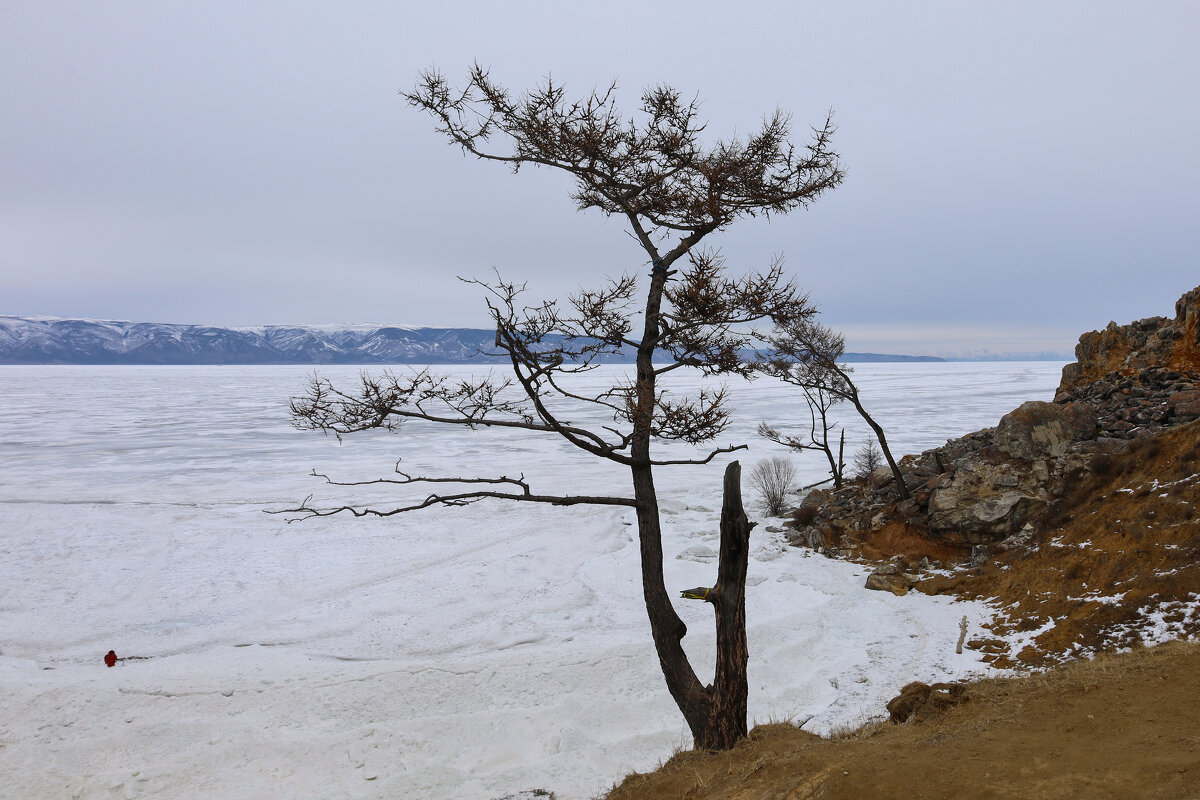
x=457, y=653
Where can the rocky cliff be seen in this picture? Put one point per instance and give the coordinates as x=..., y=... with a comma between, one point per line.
x=1154, y=343
x=1131, y=382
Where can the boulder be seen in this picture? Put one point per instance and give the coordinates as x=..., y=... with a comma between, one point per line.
x=1185, y=403
x=809, y=536
x=985, y=501
x=1019, y=540
x=1038, y=429
x=897, y=584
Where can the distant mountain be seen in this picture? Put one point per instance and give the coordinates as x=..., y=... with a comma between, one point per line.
x=57, y=340
x=866, y=358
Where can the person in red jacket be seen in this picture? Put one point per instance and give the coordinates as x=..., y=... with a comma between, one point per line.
x=110, y=659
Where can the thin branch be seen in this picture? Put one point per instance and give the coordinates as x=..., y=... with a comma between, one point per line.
x=306, y=511
x=696, y=462
x=526, y=495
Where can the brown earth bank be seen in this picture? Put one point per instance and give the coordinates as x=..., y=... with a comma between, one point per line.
x=1118, y=726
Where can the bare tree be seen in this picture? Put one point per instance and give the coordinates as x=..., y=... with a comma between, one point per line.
x=807, y=354
x=773, y=478
x=820, y=400
x=655, y=172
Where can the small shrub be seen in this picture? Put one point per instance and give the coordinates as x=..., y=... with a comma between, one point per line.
x=772, y=478
x=867, y=459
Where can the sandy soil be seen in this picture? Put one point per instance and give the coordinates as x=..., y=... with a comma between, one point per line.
x=1123, y=726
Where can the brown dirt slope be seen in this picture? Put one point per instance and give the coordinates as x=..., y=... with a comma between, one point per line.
x=1120, y=726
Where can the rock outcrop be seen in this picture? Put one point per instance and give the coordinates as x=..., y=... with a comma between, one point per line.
x=1039, y=430
x=1156, y=342
x=995, y=486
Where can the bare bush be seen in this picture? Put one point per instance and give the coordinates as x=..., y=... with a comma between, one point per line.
x=772, y=478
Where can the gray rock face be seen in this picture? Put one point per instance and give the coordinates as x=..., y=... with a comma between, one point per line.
x=1038, y=429
x=985, y=501
x=996, y=486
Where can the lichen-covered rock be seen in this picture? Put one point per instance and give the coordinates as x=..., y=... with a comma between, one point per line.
x=1038, y=429
x=1187, y=316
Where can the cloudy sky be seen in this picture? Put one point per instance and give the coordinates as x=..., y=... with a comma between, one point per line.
x=1016, y=172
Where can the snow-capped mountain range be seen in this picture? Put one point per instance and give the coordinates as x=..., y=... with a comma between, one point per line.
x=58, y=340
x=55, y=340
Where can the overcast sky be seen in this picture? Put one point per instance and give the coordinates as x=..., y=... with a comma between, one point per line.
x=1017, y=172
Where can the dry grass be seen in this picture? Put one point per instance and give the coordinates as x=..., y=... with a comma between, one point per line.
x=1121, y=726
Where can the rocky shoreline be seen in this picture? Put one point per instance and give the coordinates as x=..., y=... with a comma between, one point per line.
x=990, y=504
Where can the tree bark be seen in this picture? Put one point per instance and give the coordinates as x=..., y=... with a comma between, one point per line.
x=716, y=714
x=666, y=627
x=837, y=473
x=726, y=722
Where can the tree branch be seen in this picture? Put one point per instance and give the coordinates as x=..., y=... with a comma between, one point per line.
x=307, y=511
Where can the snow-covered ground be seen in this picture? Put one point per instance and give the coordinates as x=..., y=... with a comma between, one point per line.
x=452, y=653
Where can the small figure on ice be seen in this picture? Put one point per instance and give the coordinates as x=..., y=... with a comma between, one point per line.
x=110, y=658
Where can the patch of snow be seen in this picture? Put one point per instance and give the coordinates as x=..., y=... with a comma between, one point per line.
x=1109, y=600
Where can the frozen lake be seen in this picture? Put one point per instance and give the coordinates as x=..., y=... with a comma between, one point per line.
x=451, y=653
